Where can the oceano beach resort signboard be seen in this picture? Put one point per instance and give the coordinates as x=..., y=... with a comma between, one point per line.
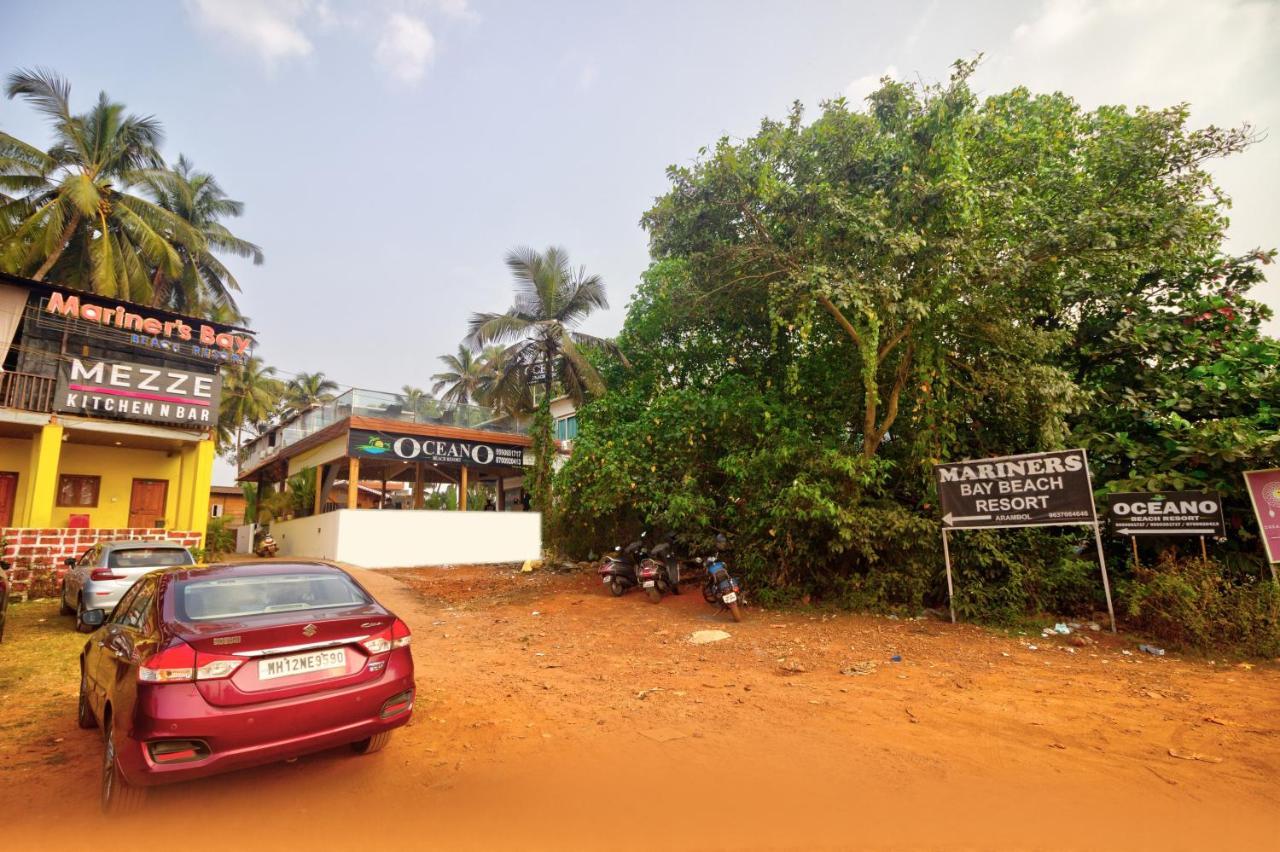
x=1166, y=513
x=392, y=445
x=98, y=388
x=1036, y=489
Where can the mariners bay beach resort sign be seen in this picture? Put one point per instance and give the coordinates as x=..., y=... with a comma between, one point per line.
x=1037, y=489
x=98, y=388
x=393, y=445
x=173, y=334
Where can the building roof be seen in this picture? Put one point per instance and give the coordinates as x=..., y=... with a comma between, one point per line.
x=229, y=490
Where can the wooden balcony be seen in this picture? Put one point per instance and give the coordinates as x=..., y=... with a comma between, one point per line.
x=27, y=391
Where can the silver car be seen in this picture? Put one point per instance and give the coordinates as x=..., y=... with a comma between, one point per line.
x=104, y=572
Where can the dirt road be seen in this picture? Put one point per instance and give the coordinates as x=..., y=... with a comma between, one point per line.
x=552, y=716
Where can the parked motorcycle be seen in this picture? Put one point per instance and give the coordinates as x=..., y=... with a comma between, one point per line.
x=720, y=589
x=618, y=570
x=266, y=547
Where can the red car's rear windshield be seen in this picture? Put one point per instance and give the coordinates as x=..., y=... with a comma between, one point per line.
x=236, y=597
x=149, y=557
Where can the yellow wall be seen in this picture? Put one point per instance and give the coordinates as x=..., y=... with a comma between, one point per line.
x=118, y=467
x=15, y=457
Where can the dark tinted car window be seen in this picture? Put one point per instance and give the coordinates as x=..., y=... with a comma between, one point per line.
x=149, y=557
x=236, y=597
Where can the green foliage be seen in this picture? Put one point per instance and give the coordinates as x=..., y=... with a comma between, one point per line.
x=1198, y=604
x=833, y=307
x=219, y=538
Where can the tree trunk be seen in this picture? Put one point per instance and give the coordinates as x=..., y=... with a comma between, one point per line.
x=62, y=245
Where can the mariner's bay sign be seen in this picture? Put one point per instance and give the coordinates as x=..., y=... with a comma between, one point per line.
x=369, y=444
x=1035, y=489
x=98, y=388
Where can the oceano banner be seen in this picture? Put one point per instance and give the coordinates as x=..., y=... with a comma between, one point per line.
x=115, y=389
x=1166, y=513
x=1035, y=489
x=369, y=444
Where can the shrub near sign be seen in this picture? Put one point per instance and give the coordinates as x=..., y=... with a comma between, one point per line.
x=1036, y=489
x=1167, y=513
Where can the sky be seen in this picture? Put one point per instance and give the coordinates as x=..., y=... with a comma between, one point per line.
x=390, y=152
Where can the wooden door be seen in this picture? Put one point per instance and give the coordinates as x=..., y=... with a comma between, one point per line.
x=146, y=505
x=8, y=491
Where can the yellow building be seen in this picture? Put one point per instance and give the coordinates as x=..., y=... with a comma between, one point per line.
x=107, y=416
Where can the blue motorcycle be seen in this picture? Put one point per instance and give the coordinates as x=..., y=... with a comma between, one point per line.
x=720, y=589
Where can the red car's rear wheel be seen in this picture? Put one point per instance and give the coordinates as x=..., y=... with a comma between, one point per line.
x=119, y=797
x=372, y=744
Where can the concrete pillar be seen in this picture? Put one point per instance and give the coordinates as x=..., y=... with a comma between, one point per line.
x=42, y=484
x=186, y=487
x=201, y=482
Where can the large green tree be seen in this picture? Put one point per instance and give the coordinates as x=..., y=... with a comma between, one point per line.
x=945, y=236
x=67, y=212
x=543, y=344
x=205, y=284
x=305, y=391
x=250, y=398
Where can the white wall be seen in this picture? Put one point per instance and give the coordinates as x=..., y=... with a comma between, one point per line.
x=374, y=538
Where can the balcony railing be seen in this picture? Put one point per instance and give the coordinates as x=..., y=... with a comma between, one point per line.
x=27, y=391
x=358, y=402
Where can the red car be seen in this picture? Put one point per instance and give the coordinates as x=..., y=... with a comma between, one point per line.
x=200, y=670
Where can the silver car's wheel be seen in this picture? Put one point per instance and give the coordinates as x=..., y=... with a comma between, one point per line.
x=79, y=613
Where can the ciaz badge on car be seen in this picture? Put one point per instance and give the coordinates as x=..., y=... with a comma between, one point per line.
x=200, y=670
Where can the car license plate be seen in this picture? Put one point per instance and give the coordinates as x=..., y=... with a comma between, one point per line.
x=607, y=580
x=297, y=664
x=732, y=597
x=649, y=584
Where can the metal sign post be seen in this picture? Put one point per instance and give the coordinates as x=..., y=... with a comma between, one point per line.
x=951, y=597
x=1029, y=490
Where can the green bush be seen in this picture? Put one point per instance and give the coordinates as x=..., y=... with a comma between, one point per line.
x=1203, y=605
x=219, y=538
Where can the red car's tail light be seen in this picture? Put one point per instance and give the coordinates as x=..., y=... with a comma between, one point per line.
x=396, y=637
x=173, y=664
x=104, y=574
x=180, y=662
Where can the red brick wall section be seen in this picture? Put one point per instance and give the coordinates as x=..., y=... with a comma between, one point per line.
x=37, y=556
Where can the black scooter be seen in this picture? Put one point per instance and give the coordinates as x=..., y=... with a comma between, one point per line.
x=618, y=570
x=656, y=571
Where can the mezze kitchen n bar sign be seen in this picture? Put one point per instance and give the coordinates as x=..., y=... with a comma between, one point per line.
x=96, y=388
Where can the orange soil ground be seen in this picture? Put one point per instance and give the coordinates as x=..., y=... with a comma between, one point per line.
x=552, y=716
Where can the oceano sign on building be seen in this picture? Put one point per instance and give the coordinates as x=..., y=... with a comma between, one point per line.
x=370, y=444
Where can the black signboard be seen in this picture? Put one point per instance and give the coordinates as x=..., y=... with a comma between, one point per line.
x=394, y=445
x=1167, y=513
x=122, y=390
x=1036, y=489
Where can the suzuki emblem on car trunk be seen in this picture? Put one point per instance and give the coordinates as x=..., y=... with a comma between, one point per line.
x=309, y=630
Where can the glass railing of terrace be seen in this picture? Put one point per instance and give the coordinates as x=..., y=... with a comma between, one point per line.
x=377, y=404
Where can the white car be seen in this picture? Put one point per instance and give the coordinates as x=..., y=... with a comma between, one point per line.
x=104, y=572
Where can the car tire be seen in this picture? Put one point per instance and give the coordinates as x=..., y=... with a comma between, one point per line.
x=84, y=713
x=371, y=744
x=64, y=609
x=119, y=797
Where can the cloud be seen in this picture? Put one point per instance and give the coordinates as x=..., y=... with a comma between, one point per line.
x=460, y=9
x=405, y=48
x=587, y=76
x=858, y=90
x=271, y=28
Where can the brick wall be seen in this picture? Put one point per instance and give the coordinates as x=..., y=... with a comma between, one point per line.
x=37, y=556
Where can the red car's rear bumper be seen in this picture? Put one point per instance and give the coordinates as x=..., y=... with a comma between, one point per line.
x=251, y=735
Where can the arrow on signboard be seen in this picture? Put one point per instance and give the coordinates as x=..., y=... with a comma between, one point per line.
x=950, y=519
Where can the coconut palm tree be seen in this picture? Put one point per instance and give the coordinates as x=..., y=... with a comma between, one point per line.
x=196, y=197
x=74, y=218
x=464, y=378
x=418, y=402
x=551, y=300
x=250, y=395
x=307, y=390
